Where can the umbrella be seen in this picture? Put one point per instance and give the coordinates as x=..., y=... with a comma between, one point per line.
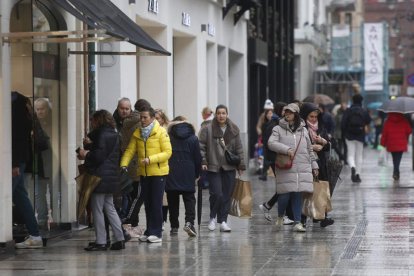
x=374, y=105
x=86, y=185
x=199, y=199
x=334, y=168
x=319, y=99
x=399, y=105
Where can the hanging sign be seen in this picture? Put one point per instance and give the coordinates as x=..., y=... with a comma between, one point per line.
x=374, y=56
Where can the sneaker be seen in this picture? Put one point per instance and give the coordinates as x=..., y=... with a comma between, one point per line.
x=143, y=238
x=279, y=222
x=287, y=221
x=224, y=227
x=212, y=224
x=189, y=228
x=299, y=228
x=266, y=212
x=174, y=231
x=30, y=242
x=163, y=226
x=154, y=239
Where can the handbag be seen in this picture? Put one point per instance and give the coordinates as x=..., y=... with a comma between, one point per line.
x=316, y=204
x=283, y=161
x=241, y=202
x=231, y=158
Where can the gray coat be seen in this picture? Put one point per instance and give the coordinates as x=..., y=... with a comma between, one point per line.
x=299, y=178
x=212, y=152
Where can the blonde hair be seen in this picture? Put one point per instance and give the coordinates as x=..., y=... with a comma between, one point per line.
x=163, y=116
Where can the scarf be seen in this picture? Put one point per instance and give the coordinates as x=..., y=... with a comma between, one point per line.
x=146, y=131
x=313, y=129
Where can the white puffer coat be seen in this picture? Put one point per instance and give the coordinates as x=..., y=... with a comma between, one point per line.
x=299, y=178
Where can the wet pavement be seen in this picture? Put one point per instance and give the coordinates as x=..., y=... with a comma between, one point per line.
x=372, y=235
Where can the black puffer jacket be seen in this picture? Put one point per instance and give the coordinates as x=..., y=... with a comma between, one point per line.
x=185, y=161
x=103, y=159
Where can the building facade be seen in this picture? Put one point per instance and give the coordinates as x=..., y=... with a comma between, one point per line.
x=207, y=66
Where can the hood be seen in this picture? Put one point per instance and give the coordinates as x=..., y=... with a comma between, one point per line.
x=181, y=129
x=307, y=108
x=395, y=117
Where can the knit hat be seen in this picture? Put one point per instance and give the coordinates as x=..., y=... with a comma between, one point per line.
x=268, y=104
x=292, y=107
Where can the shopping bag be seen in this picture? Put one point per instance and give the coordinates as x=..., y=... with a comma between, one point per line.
x=241, y=200
x=316, y=204
x=86, y=185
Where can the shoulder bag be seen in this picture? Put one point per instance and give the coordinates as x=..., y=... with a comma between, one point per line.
x=283, y=161
x=231, y=158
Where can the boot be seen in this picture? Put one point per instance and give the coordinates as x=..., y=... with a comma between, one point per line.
x=353, y=175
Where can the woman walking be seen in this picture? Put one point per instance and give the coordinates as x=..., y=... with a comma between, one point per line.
x=291, y=138
x=152, y=145
x=394, y=137
x=102, y=159
x=221, y=133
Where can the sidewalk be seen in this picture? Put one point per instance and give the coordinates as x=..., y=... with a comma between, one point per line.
x=371, y=236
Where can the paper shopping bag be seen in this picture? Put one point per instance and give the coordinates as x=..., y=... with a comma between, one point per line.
x=241, y=199
x=316, y=204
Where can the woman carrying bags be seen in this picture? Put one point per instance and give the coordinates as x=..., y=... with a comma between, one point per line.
x=291, y=138
x=219, y=134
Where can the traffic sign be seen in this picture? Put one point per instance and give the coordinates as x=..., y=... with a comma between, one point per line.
x=410, y=79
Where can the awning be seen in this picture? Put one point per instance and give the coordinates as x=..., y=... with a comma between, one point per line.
x=100, y=15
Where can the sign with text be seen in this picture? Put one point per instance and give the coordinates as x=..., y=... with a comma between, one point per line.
x=374, y=56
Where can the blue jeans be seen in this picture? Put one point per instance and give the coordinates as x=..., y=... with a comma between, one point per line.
x=296, y=203
x=152, y=188
x=22, y=202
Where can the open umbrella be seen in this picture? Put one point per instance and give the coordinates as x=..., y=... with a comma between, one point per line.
x=319, y=99
x=399, y=105
x=86, y=185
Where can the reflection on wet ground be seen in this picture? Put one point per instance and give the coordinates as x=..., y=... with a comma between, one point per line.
x=371, y=236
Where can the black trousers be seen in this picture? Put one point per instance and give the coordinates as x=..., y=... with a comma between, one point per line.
x=135, y=205
x=189, y=200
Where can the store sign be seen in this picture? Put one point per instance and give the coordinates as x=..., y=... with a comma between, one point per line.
x=153, y=6
x=396, y=76
x=374, y=56
x=186, y=19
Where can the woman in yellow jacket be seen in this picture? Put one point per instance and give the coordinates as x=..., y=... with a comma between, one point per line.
x=152, y=145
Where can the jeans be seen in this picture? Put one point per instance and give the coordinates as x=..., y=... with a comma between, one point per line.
x=396, y=160
x=221, y=186
x=152, y=191
x=296, y=203
x=22, y=202
x=174, y=206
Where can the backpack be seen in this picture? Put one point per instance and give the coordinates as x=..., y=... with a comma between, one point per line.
x=356, y=122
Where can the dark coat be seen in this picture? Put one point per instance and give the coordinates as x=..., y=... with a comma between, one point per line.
x=185, y=161
x=267, y=129
x=395, y=134
x=322, y=131
x=103, y=159
x=21, y=130
x=347, y=113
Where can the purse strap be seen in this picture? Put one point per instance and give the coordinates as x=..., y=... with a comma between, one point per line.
x=221, y=142
x=297, y=147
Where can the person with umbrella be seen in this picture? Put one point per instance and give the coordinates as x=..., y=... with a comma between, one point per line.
x=219, y=134
x=102, y=160
x=185, y=167
x=394, y=138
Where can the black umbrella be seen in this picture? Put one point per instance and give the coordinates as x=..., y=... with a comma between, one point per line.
x=334, y=168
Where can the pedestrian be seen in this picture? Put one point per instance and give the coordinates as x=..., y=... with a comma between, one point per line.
x=101, y=155
x=354, y=124
x=162, y=118
x=129, y=125
x=22, y=129
x=220, y=133
x=394, y=137
x=208, y=115
x=338, y=143
x=291, y=138
x=185, y=167
x=320, y=140
x=152, y=145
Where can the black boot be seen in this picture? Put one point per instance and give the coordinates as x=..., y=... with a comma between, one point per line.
x=117, y=245
x=353, y=175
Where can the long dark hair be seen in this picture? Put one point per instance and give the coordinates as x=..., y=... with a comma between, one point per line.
x=296, y=122
x=103, y=118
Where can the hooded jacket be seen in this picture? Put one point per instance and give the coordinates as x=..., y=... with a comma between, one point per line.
x=157, y=148
x=395, y=133
x=212, y=152
x=185, y=161
x=129, y=125
x=299, y=178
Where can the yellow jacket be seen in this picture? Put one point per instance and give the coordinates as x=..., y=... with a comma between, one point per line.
x=157, y=148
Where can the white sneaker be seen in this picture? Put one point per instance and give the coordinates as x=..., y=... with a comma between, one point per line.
x=266, y=212
x=279, y=222
x=287, y=221
x=154, y=239
x=30, y=242
x=299, y=228
x=212, y=224
x=224, y=227
x=143, y=238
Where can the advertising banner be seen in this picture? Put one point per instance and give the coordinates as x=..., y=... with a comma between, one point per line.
x=374, y=56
